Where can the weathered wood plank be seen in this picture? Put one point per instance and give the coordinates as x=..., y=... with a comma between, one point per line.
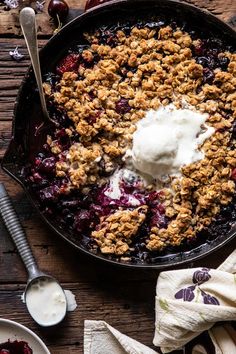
x=122, y=297
x=124, y=305
x=11, y=75
x=9, y=24
x=225, y=10
x=5, y=135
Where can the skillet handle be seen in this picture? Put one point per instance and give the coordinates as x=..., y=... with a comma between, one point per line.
x=16, y=231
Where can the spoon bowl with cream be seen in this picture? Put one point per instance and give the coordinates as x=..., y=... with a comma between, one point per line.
x=45, y=300
x=44, y=297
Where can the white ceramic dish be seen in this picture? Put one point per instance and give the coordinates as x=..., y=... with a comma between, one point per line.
x=10, y=330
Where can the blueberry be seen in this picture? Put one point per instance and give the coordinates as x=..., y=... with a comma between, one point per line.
x=70, y=203
x=69, y=219
x=208, y=76
x=223, y=63
x=82, y=221
x=202, y=61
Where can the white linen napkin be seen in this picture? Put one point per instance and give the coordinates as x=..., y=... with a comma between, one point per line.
x=190, y=301
x=101, y=338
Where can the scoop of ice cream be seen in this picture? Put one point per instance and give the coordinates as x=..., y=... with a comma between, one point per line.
x=167, y=139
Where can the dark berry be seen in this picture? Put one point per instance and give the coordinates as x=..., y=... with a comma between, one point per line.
x=97, y=209
x=123, y=106
x=234, y=131
x=47, y=165
x=15, y=347
x=58, y=8
x=93, y=118
x=226, y=211
x=92, y=3
x=128, y=188
x=223, y=63
x=82, y=221
x=60, y=117
x=63, y=138
x=212, y=52
x=233, y=174
x=27, y=350
x=202, y=61
x=61, y=133
x=69, y=219
x=51, y=78
x=49, y=194
x=154, y=24
x=107, y=36
x=199, y=49
x=208, y=76
x=158, y=217
x=37, y=161
x=37, y=177
x=69, y=63
x=70, y=203
x=212, y=62
x=153, y=198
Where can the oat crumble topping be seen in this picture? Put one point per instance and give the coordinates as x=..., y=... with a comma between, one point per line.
x=108, y=93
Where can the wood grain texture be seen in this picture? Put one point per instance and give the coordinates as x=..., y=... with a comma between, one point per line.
x=9, y=24
x=122, y=297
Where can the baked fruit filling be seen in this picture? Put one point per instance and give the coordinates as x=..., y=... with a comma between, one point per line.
x=143, y=158
x=15, y=347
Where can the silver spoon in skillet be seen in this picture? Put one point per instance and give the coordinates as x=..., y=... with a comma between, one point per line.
x=28, y=26
x=44, y=297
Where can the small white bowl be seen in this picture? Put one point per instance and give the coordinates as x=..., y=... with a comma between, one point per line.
x=10, y=330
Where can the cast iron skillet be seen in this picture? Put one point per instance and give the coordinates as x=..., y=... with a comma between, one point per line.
x=27, y=113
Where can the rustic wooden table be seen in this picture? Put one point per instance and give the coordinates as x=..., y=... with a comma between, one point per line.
x=122, y=297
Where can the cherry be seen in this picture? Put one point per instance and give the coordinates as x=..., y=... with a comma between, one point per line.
x=92, y=3
x=58, y=8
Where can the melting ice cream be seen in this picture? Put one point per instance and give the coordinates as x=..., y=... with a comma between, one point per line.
x=167, y=139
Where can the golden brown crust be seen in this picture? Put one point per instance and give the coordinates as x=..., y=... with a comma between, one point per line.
x=107, y=101
x=115, y=232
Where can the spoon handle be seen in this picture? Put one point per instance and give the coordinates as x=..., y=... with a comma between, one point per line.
x=16, y=231
x=28, y=26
